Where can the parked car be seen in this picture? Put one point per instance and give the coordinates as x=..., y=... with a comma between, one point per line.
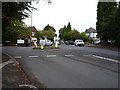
x=79, y=42
x=1, y=45
x=69, y=42
x=48, y=43
x=20, y=42
x=97, y=42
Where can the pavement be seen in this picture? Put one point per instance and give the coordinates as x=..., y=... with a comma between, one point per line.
x=13, y=75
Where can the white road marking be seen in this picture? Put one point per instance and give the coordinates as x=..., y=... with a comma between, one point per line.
x=17, y=57
x=15, y=61
x=5, y=63
x=108, y=59
x=86, y=55
x=69, y=55
x=33, y=56
x=27, y=85
x=51, y=56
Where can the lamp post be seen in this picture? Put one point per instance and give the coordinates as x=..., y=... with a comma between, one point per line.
x=31, y=23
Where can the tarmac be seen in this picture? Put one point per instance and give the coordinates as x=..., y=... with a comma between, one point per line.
x=14, y=77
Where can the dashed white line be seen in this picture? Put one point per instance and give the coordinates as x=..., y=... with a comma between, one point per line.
x=86, y=55
x=69, y=55
x=33, y=56
x=108, y=59
x=17, y=57
x=51, y=56
x=27, y=85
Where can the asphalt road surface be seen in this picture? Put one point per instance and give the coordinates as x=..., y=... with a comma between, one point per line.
x=69, y=66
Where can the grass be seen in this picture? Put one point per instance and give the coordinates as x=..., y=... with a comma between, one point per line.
x=46, y=48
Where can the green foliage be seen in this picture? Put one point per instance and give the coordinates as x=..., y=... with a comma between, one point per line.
x=108, y=21
x=16, y=30
x=64, y=32
x=13, y=12
x=73, y=35
x=68, y=27
x=49, y=33
x=48, y=27
x=38, y=35
x=84, y=37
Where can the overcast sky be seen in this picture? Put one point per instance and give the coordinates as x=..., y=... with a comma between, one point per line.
x=80, y=13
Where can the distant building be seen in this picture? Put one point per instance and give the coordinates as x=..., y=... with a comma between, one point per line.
x=92, y=33
x=33, y=30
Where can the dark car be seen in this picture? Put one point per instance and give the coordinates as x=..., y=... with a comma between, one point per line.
x=69, y=42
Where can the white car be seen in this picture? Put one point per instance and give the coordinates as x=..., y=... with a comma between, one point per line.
x=48, y=42
x=1, y=45
x=79, y=42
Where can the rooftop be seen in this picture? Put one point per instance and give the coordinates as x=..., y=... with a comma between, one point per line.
x=91, y=30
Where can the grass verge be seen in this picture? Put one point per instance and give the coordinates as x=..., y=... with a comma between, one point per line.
x=46, y=48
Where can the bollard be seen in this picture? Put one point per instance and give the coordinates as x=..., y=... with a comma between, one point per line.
x=42, y=47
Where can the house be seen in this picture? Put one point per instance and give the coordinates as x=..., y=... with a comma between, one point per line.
x=33, y=31
x=92, y=33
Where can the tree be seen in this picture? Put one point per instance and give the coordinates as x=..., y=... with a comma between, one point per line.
x=68, y=27
x=105, y=14
x=84, y=37
x=49, y=33
x=12, y=12
x=48, y=27
x=64, y=32
x=114, y=26
x=73, y=35
x=38, y=35
x=16, y=30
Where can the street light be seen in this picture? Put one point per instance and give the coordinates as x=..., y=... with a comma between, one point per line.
x=31, y=27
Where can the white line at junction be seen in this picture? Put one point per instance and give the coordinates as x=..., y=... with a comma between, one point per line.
x=108, y=59
x=27, y=85
x=5, y=63
x=86, y=55
x=33, y=56
x=17, y=57
x=69, y=55
x=51, y=56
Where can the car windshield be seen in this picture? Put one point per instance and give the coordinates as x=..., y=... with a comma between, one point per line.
x=80, y=41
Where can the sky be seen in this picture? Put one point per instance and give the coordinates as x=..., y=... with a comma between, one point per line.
x=80, y=13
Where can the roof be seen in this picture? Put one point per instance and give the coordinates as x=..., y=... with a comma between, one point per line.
x=33, y=29
x=91, y=30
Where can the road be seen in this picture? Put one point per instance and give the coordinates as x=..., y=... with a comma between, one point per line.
x=69, y=66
